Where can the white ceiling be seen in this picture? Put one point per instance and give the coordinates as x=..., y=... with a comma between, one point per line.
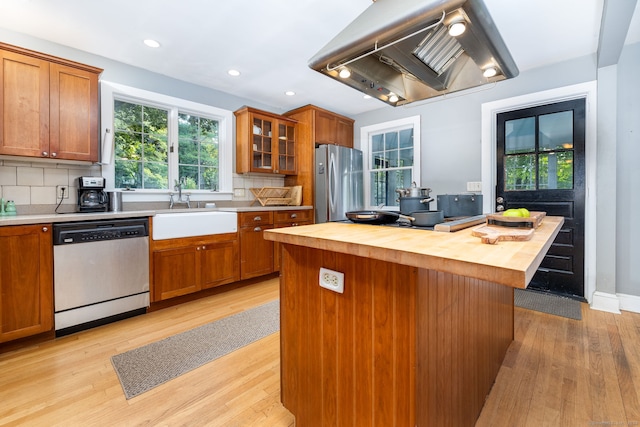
x=270, y=41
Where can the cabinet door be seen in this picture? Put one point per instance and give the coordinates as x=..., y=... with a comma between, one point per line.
x=219, y=263
x=325, y=128
x=286, y=149
x=74, y=114
x=24, y=105
x=344, y=132
x=175, y=272
x=256, y=253
x=262, y=133
x=26, y=281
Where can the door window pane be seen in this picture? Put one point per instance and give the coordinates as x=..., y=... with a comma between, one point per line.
x=556, y=170
x=520, y=172
x=520, y=135
x=556, y=131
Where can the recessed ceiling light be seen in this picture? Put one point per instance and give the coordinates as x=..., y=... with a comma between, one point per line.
x=151, y=43
x=234, y=73
x=289, y=93
x=367, y=97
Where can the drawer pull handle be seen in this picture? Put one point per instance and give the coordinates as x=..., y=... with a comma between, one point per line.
x=294, y=215
x=45, y=229
x=257, y=229
x=257, y=218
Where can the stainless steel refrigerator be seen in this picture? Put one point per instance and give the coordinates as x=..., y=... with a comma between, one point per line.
x=338, y=181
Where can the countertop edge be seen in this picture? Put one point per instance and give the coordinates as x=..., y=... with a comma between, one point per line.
x=91, y=216
x=517, y=276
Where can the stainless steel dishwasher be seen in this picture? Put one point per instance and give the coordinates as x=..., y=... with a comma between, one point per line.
x=101, y=272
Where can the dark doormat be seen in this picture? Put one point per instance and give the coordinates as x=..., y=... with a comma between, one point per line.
x=547, y=303
x=146, y=367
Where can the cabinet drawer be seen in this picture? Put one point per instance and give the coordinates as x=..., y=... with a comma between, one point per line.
x=286, y=217
x=246, y=219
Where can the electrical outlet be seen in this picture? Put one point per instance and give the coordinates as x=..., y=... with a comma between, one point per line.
x=332, y=280
x=62, y=191
x=238, y=192
x=474, y=186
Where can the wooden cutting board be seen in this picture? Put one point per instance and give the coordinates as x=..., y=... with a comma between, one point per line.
x=491, y=234
x=533, y=221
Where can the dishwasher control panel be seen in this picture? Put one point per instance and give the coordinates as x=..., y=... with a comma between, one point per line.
x=95, y=231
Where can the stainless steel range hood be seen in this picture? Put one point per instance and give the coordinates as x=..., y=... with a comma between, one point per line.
x=403, y=49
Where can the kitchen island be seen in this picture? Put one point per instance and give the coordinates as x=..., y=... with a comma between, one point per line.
x=419, y=333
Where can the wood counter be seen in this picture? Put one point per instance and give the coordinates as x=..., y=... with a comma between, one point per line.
x=417, y=337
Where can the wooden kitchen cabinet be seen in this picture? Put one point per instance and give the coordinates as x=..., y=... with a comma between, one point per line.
x=292, y=218
x=316, y=126
x=26, y=281
x=256, y=253
x=265, y=142
x=187, y=265
x=333, y=128
x=49, y=106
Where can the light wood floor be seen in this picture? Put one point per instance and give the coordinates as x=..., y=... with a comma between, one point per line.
x=558, y=372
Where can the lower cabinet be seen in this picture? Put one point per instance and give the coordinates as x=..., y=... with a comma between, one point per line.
x=256, y=253
x=186, y=265
x=291, y=218
x=26, y=281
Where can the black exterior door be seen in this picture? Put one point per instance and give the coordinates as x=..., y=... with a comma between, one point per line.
x=541, y=167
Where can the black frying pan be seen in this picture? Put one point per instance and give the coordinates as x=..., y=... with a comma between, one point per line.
x=375, y=217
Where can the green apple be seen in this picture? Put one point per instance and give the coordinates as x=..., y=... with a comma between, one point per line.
x=525, y=212
x=512, y=212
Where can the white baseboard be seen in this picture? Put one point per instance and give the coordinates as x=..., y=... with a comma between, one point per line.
x=629, y=302
x=605, y=302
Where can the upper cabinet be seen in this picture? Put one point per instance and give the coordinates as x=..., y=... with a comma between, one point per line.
x=265, y=142
x=316, y=126
x=331, y=128
x=49, y=106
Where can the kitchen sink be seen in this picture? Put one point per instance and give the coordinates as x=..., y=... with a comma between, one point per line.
x=188, y=224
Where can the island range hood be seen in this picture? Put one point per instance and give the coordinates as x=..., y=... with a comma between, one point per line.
x=402, y=51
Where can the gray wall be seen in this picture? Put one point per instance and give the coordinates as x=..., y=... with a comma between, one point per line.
x=628, y=172
x=451, y=145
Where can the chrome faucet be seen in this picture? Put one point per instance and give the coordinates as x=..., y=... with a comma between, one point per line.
x=178, y=187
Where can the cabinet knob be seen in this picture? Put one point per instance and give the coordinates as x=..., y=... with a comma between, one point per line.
x=54, y=154
x=257, y=218
x=45, y=154
x=204, y=247
x=257, y=229
x=45, y=229
x=197, y=248
x=294, y=215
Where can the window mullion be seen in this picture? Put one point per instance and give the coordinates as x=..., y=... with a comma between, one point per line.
x=173, y=148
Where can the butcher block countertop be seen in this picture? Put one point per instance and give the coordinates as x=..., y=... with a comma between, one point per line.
x=511, y=263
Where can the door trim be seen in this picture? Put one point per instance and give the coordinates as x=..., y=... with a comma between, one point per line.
x=490, y=110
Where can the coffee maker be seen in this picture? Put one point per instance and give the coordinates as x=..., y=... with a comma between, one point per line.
x=91, y=194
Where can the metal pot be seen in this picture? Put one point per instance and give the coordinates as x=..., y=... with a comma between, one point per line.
x=375, y=217
x=427, y=218
x=412, y=204
x=414, y=191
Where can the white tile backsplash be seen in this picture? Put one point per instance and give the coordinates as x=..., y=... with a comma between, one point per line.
x=56, y=176
x=7, y=175
x=20, y=195
x=28, y=176
x=43, y=196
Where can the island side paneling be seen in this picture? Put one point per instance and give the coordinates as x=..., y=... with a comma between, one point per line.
x=401, y=346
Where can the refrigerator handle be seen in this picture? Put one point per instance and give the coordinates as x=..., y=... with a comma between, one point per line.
x=333, y=179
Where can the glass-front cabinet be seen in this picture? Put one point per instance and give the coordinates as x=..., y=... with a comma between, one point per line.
x=265, y=142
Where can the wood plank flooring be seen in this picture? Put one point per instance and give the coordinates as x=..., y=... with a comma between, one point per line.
x=557, y=372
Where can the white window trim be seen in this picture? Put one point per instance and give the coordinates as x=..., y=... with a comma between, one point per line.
x=111, y=91
x=365, y=146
